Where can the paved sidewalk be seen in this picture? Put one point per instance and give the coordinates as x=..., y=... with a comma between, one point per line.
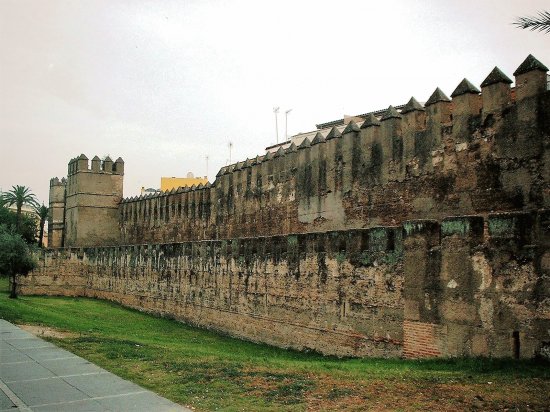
x=36, y=375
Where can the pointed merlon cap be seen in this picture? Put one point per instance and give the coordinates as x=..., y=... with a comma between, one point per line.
x=82, y=157
x=119, y=160
x=334, y=133
x=465, y=87
x=247, y=163
x=95, y=158
x=319, y=138
x=351, y=128
x=391, y=113
x=291, y=149
x=530, y=64
x=371, y=120
x=304, y=144
x=220, y=172
x=279, y=153
x=207, y=185
x=496, y=76
x=200, y=186
x=268, y=156
x=412, y=106
x=437, y=96
x=259, y=159
x=107, y=159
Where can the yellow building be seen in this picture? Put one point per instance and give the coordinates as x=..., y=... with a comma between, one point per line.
x=169, y=183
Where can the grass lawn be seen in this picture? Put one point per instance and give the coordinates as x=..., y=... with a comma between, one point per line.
x=207, y=371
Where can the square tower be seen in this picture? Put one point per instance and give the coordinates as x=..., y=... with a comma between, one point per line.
x=91, y=204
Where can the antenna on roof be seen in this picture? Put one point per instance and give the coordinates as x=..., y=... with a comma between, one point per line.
x=286, y=124
x=230, y=148
x=276, y=111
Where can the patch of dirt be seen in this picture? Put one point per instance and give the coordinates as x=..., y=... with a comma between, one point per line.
x=47, y=332
x=395, y=395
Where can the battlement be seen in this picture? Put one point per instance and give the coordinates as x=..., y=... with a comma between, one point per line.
x=466, y=154
x=55, y=181
x=82, y=164
x=468, y=108
x=157, y=195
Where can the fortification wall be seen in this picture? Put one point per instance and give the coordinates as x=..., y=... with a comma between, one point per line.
x=381, y=240
x=479, y=153
x=462, y=287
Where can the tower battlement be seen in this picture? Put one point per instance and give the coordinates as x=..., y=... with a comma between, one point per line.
x=82, y=164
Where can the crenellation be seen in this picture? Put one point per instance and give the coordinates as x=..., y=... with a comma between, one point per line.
x=82, y=163
x=531, y=78
x=427, y=225
x=413, y=132
x=96, y=164
x=334, y=133
x=391, y=144
x=496, y=94
x=438, y=116
x=107, y=165
x=350, y=134
x=466, y=111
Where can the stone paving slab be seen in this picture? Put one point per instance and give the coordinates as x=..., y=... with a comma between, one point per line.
x=70, y=366
x=5, y=402
x=48, y=353
x=11, y=355
x=45, y=391
x=24, y=371
x=36, y=375
x=102, y=384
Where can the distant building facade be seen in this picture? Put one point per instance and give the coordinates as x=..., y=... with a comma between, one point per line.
x=169, y=183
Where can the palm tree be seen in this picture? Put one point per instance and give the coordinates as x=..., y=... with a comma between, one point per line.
x=42, y=212
x=19, y=196
x=537, y=23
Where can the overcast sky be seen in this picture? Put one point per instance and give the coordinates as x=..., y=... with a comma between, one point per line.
x=163, y=84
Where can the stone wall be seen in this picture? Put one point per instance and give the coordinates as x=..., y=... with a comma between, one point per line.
x=420, y=233
x=479, y=153
x=465, y=287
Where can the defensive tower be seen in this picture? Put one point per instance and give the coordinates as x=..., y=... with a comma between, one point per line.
x=56, y=215
x=92, y=198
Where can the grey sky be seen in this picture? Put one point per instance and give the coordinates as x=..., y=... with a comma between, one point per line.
x=165, y=83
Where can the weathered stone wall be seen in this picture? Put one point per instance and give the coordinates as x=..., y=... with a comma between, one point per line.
x=336, y=293
x=381, y=240
x=475, y=289
x=478, y=154
x=465, y=287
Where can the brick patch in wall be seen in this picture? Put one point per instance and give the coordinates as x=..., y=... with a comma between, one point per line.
x=419, y=340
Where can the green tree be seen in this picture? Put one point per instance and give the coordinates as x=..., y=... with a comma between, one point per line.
x=15, y=257
x=541, y=22
x=27, y=226
x=19, y=196
x=42, y=212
